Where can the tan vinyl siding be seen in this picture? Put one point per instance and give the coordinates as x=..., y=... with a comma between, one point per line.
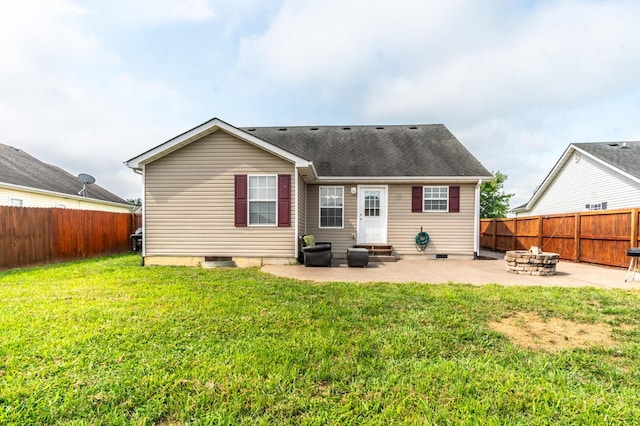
x=450, y=233
x=340, y=238
x=189, y=196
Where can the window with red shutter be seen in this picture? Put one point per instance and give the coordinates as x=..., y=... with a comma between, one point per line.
x=435, y=199
x=454, y=199
x=284, y=200
x=241, y=200
x=416, y=199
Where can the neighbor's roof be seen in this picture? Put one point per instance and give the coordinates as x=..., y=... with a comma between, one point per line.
x=398, y=150
x=624, y=156
x=21, y=169
x=621, y=157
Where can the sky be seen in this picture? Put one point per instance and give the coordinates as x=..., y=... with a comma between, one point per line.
x=87, y=85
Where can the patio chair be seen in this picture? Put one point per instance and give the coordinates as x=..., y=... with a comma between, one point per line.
x=314, y=253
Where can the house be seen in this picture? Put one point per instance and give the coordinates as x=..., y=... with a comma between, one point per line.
x=588, y=177
x=219, y=191
x=26, y=181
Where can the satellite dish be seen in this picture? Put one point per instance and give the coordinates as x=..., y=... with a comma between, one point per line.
x=86, y=180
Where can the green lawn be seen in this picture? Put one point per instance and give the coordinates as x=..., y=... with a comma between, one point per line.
x=108, y=342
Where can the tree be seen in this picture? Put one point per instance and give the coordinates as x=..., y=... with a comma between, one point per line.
x=494, y=202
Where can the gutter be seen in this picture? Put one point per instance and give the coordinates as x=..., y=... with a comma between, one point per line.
x=402, y=179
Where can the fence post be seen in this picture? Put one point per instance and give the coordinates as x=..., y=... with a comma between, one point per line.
x=540, y=229
x=633, y=240
x=494, y=223
x=514, y=237
x=576, y=236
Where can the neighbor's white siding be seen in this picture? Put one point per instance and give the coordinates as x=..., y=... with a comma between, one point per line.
x=189, y=196
x=34, y=199
x=585, y=182
x=450, y=233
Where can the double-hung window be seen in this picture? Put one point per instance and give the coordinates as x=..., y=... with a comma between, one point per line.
x=331, y=206
x=263, y=196
x=15, y=202
x=435, y=198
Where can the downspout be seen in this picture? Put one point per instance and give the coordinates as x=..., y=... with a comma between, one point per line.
x=144, y=214
x=476, y=222
x=295, y=215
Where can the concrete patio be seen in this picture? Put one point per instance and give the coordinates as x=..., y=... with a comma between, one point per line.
x=489, y=270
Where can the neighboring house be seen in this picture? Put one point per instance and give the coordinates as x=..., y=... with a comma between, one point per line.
x=589, y=177
x=218, y=191
x=26, y=181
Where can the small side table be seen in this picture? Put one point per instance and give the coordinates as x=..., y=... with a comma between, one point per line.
x=357, y=257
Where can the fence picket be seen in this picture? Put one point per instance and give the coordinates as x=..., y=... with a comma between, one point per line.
x=601, y=237
x=34, y=236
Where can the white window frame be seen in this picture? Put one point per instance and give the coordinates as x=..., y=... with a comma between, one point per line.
x=446, y=199
x=320, y=206
x=16, y=202
x=249, y=200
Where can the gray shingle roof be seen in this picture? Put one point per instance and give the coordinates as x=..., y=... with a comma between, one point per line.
x=19, y=168
x=621, y=155
x=361, y=151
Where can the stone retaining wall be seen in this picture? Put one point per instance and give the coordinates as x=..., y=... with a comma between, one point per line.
x=527, y=263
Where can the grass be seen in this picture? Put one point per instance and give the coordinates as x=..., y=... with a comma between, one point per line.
x=108, y=342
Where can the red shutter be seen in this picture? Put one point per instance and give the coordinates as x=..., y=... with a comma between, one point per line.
x=454, y=199
x=284, y=200
x=241, y=200
x=416, y=199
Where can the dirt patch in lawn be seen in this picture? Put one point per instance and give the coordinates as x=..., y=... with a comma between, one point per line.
x=532, y=332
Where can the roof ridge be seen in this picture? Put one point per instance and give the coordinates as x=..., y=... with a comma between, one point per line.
x=604, y=142
x=335, y=126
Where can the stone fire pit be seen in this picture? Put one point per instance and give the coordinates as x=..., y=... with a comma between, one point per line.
x=527, y=263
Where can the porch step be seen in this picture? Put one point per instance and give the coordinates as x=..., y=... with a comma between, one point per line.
x=378, y=252
x=382, y=259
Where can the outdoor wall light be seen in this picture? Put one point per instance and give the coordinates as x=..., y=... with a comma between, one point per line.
x=354, y=190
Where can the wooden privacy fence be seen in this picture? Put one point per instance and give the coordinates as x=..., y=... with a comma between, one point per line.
x=595, y=237
x=32, y=236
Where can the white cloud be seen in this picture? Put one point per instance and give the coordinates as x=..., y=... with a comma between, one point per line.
x=100, y=82
x=474, y=58
x=339, y=40
x=562, y=55
x=66, y=102
x=46, y=27
x=516, y=82
x=161, y=11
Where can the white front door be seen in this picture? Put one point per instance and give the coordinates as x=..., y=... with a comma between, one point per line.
x=372, y=214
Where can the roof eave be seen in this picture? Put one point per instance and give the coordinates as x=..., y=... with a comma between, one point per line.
x=403, y=179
